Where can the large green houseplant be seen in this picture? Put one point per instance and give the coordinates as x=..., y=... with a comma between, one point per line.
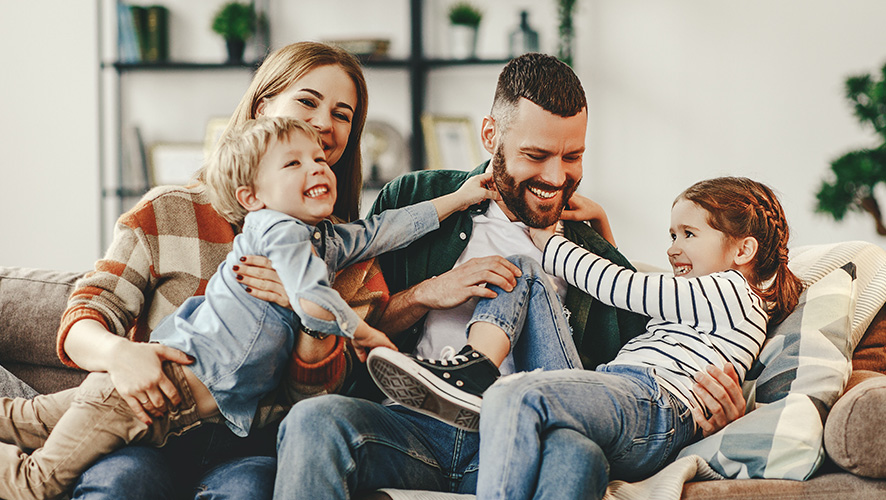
x=235, y=22
x=855, y=175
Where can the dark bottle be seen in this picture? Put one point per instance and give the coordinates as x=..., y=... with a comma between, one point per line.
x=523, y=39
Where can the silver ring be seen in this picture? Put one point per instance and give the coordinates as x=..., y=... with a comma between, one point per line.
x=144, y=402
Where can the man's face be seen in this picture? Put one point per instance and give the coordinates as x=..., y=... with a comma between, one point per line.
x=537, y=163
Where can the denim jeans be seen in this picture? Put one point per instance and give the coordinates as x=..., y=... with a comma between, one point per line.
x=332, y=447
x=533, y=318
x=207, y=463
x=566, y=434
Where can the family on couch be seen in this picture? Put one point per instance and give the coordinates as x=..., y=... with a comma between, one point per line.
x=169, y=246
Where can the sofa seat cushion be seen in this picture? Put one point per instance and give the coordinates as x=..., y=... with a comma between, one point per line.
x=823, y=487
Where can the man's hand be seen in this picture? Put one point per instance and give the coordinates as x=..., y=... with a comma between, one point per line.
x=261, y=280
x=455, y=287
x=139, y=378
x=722, y=395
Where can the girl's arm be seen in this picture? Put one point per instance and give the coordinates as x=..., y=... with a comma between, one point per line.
x=583, y=209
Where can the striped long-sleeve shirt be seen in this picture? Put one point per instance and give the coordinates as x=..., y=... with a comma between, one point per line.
x=713, y=319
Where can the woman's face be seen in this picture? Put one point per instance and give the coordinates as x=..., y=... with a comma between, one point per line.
x=326, y=98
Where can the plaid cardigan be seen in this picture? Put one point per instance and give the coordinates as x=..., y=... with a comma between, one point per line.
x=165, y=249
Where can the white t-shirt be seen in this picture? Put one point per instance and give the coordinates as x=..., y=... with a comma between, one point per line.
x=493, y=234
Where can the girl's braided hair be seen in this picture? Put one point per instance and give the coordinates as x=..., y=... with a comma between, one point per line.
x=741, y=207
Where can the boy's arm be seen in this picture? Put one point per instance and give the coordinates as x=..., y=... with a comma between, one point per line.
x=474, y=190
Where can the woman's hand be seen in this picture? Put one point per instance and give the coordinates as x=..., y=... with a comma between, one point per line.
x=586, y=209
x=138, y=376
x=721, y=393
x=261, y=280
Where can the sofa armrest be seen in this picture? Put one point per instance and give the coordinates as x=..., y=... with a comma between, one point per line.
x=31, y=306
x=853, y=431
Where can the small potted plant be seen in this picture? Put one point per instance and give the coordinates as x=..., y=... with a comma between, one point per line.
x=855, y=175
x=235, y=22
x=464, y=20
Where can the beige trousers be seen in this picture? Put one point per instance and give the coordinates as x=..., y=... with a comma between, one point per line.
x=70, y=430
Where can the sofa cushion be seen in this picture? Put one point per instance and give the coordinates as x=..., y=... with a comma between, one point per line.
x=803, y=367
x=854, y=422
x=31, y=305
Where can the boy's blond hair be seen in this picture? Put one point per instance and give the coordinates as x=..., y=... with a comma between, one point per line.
x=234, y=161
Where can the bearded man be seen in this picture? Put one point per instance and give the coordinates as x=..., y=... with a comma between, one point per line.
x=335, y=446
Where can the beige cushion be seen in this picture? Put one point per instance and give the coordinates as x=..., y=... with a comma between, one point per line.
x=855, y=424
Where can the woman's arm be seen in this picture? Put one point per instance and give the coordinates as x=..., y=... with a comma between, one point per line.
x=134, y=367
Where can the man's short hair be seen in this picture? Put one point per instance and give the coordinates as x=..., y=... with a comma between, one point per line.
x=543, y=80
x=234, y=161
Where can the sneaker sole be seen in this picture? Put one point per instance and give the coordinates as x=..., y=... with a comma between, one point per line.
x=417, y=388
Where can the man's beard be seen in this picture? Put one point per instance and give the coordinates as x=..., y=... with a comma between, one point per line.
x=514, y=195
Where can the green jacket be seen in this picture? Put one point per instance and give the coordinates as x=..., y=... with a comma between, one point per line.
x=599, y=331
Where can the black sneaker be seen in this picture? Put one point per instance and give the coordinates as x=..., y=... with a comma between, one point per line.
x=447, y=389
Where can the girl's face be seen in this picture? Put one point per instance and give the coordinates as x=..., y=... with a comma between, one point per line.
x=326, y=98
x=697, y=249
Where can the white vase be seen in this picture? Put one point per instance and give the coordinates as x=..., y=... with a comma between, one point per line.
x=462, y=41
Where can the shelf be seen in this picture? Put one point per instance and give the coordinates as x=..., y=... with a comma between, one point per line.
x=177, y=65
x=369, y=63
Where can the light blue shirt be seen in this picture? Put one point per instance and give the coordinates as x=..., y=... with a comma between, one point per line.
x=242, y=344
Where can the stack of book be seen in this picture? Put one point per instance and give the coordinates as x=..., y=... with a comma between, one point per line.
x=142, y=33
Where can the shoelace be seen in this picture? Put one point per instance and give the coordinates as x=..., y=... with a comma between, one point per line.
x=449, y=354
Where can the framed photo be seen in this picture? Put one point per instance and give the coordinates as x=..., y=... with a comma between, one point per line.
x=214, y=130
x=175, y=163
x=451, y=142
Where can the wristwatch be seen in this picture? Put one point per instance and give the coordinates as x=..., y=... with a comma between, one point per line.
x=314, y=333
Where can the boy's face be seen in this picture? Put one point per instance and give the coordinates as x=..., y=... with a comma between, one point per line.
x=293, y=178
x=697, y=249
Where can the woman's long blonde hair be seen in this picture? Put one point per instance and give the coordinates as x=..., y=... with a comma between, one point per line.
x=280, y=70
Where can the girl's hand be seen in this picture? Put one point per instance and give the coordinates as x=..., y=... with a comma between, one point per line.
x=476, y=189
x=366, y=338
x=138, y=377
x=585, y=209
x=261, y=280
x=540, y=236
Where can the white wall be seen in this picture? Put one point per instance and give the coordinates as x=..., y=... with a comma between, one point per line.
x=679, y=90
x=48, y=122
x=682, y=90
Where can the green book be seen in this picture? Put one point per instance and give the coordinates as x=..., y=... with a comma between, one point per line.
x=157, y=33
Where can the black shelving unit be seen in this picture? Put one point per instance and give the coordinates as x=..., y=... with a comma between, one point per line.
x=417, y=65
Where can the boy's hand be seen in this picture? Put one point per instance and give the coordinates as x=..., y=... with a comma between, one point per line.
x=366, y=338
x=476, y=189
x=540, y=236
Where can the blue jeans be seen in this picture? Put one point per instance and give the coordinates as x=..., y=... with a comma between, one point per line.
x=533, y=318
x=332, y=447
x=566, y=434
x=206, y=463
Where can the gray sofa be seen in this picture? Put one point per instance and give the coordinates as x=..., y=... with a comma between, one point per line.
x=32, y=300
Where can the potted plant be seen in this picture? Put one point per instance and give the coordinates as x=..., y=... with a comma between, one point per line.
x=855, y=175
x=464, y=21
x=235, y=22
x=566, y=30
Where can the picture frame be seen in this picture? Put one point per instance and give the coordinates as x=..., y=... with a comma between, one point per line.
x=215, y=127
x=450, y=142
x=175, y=163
